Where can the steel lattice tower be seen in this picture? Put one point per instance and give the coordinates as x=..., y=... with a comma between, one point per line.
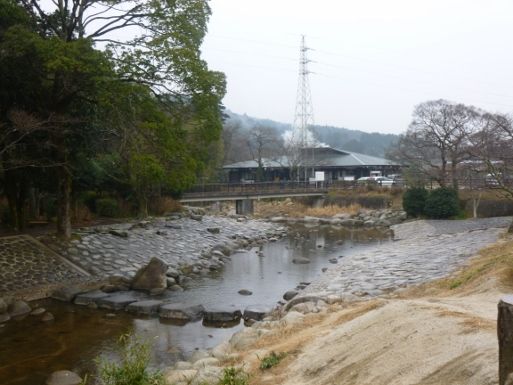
x=303, y=117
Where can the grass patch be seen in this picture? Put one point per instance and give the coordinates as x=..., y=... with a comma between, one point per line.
x=234, y=376
x=132, y=368
x=271, y=360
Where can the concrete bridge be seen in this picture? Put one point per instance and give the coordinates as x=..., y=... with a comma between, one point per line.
x=244, y=193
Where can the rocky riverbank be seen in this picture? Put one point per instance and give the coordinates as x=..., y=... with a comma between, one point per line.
x=363, y=218
x=432, y=249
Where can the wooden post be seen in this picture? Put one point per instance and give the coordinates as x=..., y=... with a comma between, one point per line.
x=505, y=335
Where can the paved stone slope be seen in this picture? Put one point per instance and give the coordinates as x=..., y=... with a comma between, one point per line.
x=179, y=242
x=25, y=263
x=422, y=251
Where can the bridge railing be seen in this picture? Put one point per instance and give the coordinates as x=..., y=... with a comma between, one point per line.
x=231, y=189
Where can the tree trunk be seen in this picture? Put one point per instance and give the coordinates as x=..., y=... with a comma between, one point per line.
x=454, y=175
x=443, y=171
x=64, y=203
x=143, y=204
x=16, y=192
x=475, y=204
x=505, y=336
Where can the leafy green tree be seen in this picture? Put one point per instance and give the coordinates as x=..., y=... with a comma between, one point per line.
x=82, y=99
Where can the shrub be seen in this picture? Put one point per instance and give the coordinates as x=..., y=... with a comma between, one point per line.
x=133, y=366
x=271, y=360
x=107, y=207
x=442, y=203
x=234, y=376
x=414, y=201
x=89, y=199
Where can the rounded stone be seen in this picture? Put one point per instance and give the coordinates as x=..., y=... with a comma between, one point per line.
x=38, y=311
x=47, y=317
x=289, y=295
x=64, y=377
x=245, y=292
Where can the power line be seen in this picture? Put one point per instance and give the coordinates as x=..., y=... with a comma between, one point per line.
x=365, y=60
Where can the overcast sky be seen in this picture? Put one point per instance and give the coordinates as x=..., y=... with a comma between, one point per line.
x=373, y=60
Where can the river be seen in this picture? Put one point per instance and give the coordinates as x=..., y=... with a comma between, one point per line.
x=30, y=349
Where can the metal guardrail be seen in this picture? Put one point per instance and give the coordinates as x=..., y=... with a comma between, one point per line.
x=225, y=190
x=259, y=188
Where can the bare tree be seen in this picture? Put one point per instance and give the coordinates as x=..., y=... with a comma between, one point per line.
x=493, y=146
x=262, y=143
x=437, y=139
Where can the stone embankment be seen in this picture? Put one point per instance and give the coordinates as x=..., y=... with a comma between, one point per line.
x=190, y=243
x=421, y=251
x=102, y=262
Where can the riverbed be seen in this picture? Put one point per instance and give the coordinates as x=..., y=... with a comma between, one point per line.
x=30, y=350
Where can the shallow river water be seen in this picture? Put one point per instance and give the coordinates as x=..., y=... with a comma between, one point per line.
x=30, y=350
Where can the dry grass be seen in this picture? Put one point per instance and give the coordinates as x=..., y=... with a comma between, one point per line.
x=495, y=260
x=331, y=210
x=293, y=339
x=360, y=310
x=290, y=208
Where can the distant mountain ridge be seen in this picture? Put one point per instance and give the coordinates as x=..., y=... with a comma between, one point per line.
x=375, y=144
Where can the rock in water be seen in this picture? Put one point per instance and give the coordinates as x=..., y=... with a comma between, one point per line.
x=256, y=312
x=181, y=312
x=245, y=292
x=300, y=261
x=289, y=295
x=152, y=276
x=66, y=293
x=38, y=311
x=64, y=377
x=47, y=317
x=19, y=308
x=217, y=315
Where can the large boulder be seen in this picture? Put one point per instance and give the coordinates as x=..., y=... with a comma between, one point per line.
x=64, y=377
x=152, y=276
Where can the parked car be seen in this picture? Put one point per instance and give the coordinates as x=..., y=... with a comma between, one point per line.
x=384, y=181
x=492, y=181
x=379, y=180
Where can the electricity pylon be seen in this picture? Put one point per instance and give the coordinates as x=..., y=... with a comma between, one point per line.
x=304, y=116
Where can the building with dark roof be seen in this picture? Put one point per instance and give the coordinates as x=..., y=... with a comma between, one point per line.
x=336, y=165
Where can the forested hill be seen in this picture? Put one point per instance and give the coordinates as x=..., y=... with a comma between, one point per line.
x=374, y=143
